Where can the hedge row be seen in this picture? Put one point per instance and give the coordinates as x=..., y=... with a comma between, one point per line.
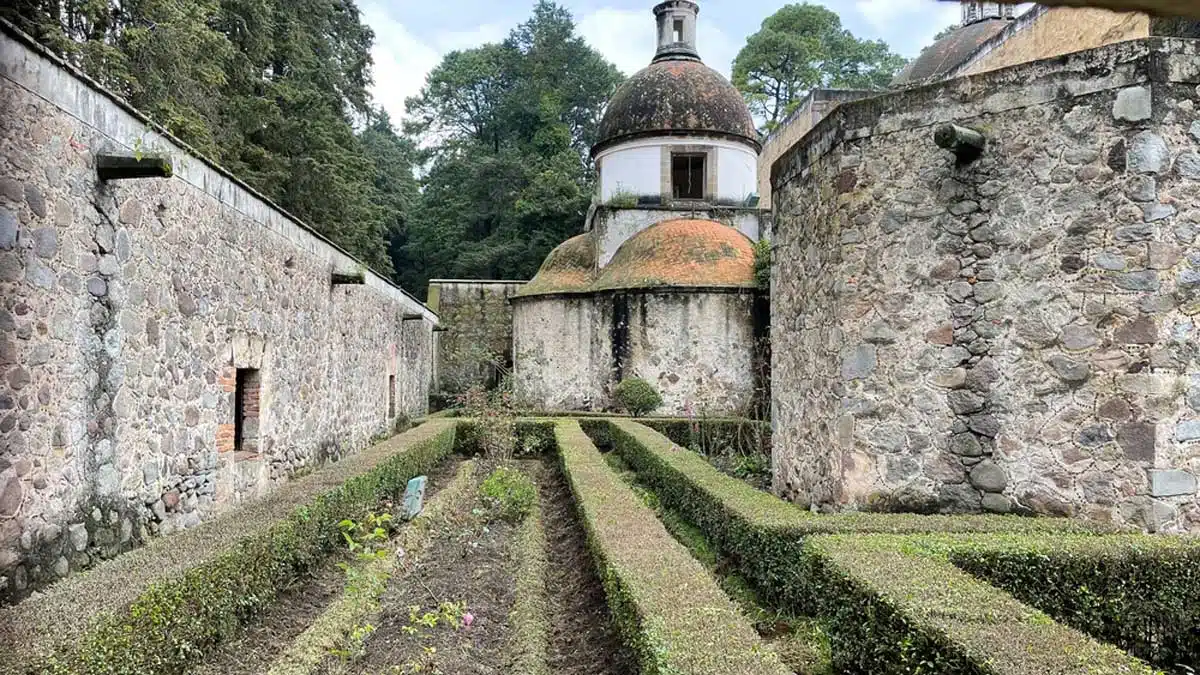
x=370, y=579
x=534, y=437
x=530, y=618
x=1139, y=592
x=891, y=608
x=159, y=608
x=670, y=612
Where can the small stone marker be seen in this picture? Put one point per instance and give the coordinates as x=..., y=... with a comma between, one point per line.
x=414, y=497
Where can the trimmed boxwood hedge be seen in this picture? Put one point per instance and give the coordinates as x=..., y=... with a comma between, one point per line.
x=529, y=646
x=669, y=610
x=892, y=609
x=157, y=609
x=1139, y=592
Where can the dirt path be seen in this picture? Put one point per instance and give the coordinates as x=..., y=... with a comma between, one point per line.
x=255, y=649
x=583, y=640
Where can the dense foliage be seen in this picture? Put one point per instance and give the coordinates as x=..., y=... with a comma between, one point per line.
x=506, y=130
x=273, y=90
x=802, y=47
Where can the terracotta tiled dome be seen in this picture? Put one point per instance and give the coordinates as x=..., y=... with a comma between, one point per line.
x=570, y=268
x=682, y=253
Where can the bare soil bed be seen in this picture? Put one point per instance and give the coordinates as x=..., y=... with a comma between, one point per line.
x=263, y=641
x=583, y=639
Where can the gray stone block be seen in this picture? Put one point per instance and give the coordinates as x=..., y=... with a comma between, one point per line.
x=1133, y=104
x=1171, y=483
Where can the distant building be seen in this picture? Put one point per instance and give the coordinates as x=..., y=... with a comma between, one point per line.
x=661, y=284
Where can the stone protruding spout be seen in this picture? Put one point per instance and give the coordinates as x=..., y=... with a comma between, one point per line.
x=966, y=144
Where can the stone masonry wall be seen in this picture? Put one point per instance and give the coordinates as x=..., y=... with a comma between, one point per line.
x=696, y=348
x=1014, y=334
x=127, y=309
x=476, y=347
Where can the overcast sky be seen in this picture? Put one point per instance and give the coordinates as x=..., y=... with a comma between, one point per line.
x=412, y=35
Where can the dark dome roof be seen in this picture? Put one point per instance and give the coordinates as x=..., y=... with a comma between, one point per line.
x=676, y=96
x=951, y=51
x=681, y=253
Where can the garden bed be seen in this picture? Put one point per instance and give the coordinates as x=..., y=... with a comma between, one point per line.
x=156, y=609
x=298, y=606
x=891, y=602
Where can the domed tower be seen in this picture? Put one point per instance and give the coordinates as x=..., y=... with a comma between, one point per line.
x=661, y=285
x=677, y=132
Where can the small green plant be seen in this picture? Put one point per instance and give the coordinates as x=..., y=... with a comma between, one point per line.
x=762, y=265
x=510, y=493
x=637, y=396
x=622, y=199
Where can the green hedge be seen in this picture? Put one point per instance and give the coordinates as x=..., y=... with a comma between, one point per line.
x=529, y=646
x=778, y=549
x=156, y=610
x=1139, y=592
x=534, y=437
x=668, y=609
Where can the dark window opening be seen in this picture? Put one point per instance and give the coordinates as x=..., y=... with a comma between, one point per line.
x=687, y=176
x=391, y=397
x=246, y=410
x=678, y=30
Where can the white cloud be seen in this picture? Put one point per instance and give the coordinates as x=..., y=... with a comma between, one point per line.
x=402, y=61
x=925, y=18
x=627, y=38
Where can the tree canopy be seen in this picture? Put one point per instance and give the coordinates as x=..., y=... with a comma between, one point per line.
x=505, y=131
x=274, y=90
x=802, y=47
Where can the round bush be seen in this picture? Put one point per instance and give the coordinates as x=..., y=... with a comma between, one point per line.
x=637, y=396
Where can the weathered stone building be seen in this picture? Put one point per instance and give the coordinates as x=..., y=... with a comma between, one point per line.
x=661, y=284
x=1013, y=332
x=474, y=346
x=168, y=346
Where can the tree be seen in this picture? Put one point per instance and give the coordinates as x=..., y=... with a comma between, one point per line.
x=270, y=89
x=802, y=47
x=507, y=130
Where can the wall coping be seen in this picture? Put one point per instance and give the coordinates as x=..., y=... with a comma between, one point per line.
x=29, y=65
x=648, y=290
x=1065, y=77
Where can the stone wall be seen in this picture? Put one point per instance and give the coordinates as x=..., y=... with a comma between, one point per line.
x=697, y=348
x=811, y=110
x=475, y=349
x=132, y=313
x=1012, y=334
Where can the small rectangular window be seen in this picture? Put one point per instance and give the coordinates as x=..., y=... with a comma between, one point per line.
x=687, y=176
x=246, y=410
x=678, y=30
x=391, y=397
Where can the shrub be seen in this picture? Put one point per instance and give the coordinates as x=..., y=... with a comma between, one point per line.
x=637, y=396
x=510, y=492
x=762, y=265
